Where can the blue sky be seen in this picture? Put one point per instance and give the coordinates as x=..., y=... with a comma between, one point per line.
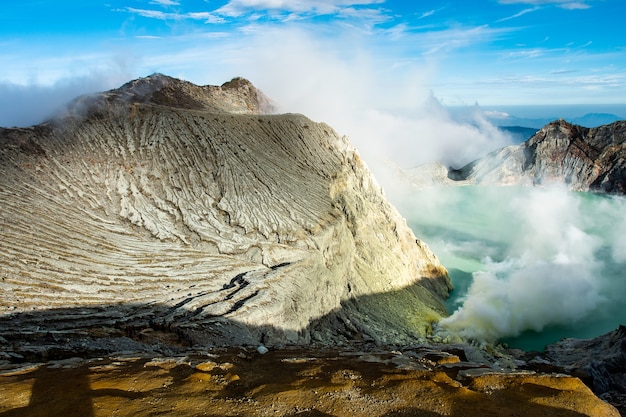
x=396, y=53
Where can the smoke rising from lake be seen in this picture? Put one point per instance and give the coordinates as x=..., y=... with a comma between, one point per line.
x=538, y=258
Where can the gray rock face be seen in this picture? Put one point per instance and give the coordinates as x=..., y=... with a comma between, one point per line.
x=584, y=159
x=164, y=204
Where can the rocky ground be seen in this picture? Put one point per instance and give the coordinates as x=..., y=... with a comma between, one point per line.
x=417, y=381
x=109, y=371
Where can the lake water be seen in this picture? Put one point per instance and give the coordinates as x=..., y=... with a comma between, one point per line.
x=530, y=266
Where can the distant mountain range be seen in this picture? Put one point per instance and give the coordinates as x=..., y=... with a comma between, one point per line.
x=524, y=128
x=522, y=122
x=584, y=159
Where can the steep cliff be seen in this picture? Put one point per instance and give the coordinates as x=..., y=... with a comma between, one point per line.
x=584, y=159
x=167, y=203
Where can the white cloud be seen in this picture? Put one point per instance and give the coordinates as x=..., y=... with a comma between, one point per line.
x=516, y=15
x=565, y=4
x=447, y=40
x=29, y=104
x=374, y=16
x=283, y=10
x=530, y=53
x=429, y=13
x=575, y=6
x=153, y=14
x=166, y=2
x=236, y=8
x=208, y=17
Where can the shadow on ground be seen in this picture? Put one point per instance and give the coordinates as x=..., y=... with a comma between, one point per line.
x=126, y=360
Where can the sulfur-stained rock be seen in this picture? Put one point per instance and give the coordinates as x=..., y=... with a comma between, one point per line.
x=292, y=382
x=599, y=362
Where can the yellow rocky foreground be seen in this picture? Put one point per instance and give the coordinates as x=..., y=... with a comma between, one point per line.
x=290, y=383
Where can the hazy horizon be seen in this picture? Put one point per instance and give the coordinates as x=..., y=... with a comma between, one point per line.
x=55, y=99
x=540, y=111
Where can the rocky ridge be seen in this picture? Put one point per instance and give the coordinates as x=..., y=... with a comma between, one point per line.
x=584, y=159
x=599, y=362
x=237, y=96
x=167, y=205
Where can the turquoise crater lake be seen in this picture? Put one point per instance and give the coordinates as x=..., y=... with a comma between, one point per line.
x=530, y=266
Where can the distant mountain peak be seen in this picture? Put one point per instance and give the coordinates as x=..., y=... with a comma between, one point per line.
x=154, y=77
x=238, y=82
x=588, y=120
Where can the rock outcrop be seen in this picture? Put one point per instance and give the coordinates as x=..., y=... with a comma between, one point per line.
x=167, y=205
x=599, y=362
x=583, y=159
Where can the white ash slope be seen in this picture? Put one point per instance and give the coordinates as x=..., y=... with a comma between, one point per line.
x=150, y=207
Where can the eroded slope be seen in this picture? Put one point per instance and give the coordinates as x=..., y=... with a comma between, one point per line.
x=236, y=227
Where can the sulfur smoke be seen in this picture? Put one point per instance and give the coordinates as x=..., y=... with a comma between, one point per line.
x=388, y=110
x=543, y=257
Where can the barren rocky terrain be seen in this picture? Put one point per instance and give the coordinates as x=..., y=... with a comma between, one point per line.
x=159, y=202
x=157, y=239
x=584, y=159
x=292, y=382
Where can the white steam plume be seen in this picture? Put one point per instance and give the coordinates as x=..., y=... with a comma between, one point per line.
x=551, y=274
x=385, y=107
